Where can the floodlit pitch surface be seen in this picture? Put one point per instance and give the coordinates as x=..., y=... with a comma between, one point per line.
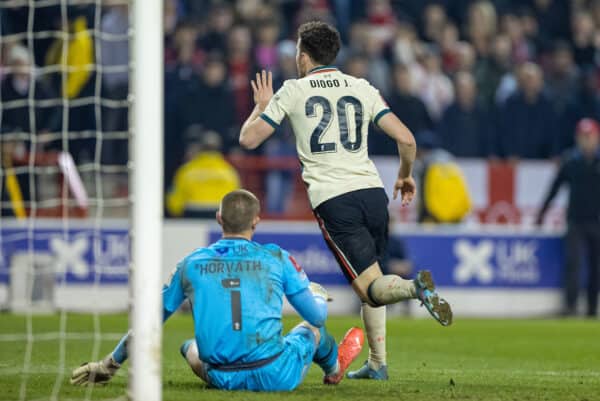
x=471, y=360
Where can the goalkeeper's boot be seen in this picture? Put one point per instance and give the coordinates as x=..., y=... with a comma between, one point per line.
x=348, y=351
x=436, y=306
x=367, y=372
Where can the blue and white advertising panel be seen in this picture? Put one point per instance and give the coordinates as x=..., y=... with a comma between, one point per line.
x=456, y=260
x=489, y=260
x=85, y=267
x=80, y=254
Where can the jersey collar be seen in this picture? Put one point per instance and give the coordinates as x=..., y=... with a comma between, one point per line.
x=322, y=68
x=233, y=238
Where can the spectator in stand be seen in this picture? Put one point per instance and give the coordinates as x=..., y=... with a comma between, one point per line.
x=466, y=57
x=490, y=70
x=310, y=10
x=357, y=66
x=434, y=22
x=582, y=28
x=464, y=127
x=17, y=126
x=490, y=39
x=382, y=20
x=522, y=49
x=449, y=44
x=527, y=122
x=404, y=45
x=210, y=105
x=286, y=54
x=359, y=38
x=206, y=177
x=16, y=87
x=580, y=170
x=531, y=31
x=240, y=65
x=378, y=70
x=182, y=56
x=115, y=54
x=74, y=58
x=435, y=88
x=220, y=21
x=562, y=78
x=409, y=108
x=585, y=104
x=482, y=25
x=428, y=152
x=551, y=16
x=181, y=82
x=265, y=51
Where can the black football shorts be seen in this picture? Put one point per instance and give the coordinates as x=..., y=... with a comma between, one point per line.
x=355, y=227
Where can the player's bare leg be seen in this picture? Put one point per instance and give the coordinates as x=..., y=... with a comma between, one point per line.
x=375, y=289
x=374, y=320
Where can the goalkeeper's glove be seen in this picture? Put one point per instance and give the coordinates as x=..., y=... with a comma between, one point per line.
x=95, y=372
x=319, y=291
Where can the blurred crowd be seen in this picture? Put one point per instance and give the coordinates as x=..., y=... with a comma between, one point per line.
x=502, y=78
x=478, y=78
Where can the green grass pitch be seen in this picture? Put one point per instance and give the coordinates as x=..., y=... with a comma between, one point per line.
x=471, y=360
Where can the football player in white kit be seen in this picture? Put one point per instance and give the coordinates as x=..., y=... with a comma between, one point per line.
x=329, y=112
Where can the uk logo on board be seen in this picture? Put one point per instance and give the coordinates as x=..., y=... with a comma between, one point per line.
x=474, y=261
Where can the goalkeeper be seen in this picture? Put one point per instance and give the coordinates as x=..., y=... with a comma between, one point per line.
x=236, y=288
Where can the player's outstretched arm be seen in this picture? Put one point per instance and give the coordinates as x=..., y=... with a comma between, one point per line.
x=101, y=372
x=311, y=306
x=407, y=148
x=255, y=130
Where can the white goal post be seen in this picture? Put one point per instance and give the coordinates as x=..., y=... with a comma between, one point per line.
x=147, y=184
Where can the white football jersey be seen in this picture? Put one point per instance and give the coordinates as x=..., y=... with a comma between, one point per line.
x=330, y=113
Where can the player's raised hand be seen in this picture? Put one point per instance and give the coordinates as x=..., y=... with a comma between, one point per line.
x=262, y=88
x=407, y=188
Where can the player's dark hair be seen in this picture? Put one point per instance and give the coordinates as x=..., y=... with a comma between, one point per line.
x=238, y=210
x=320, y=41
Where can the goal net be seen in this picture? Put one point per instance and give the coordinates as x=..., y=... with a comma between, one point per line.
x=67, y=122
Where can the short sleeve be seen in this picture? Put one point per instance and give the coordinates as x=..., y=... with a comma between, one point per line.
x=280, y=105
x=379, y=107
x=172, y=292
x=294, y=277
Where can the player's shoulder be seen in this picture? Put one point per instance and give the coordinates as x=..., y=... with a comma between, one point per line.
x=274, y=250
x=290, y=84
x=201, y=252
x=356, y=81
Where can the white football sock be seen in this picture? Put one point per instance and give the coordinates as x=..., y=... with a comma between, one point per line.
x=390, y=289
x=374, y=321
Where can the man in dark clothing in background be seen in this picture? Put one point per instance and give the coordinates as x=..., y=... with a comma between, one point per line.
x=408, y=107
x=211, y=103
x=527, y=124
x=581, y=171
x=464, y=127
x=586, y=104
